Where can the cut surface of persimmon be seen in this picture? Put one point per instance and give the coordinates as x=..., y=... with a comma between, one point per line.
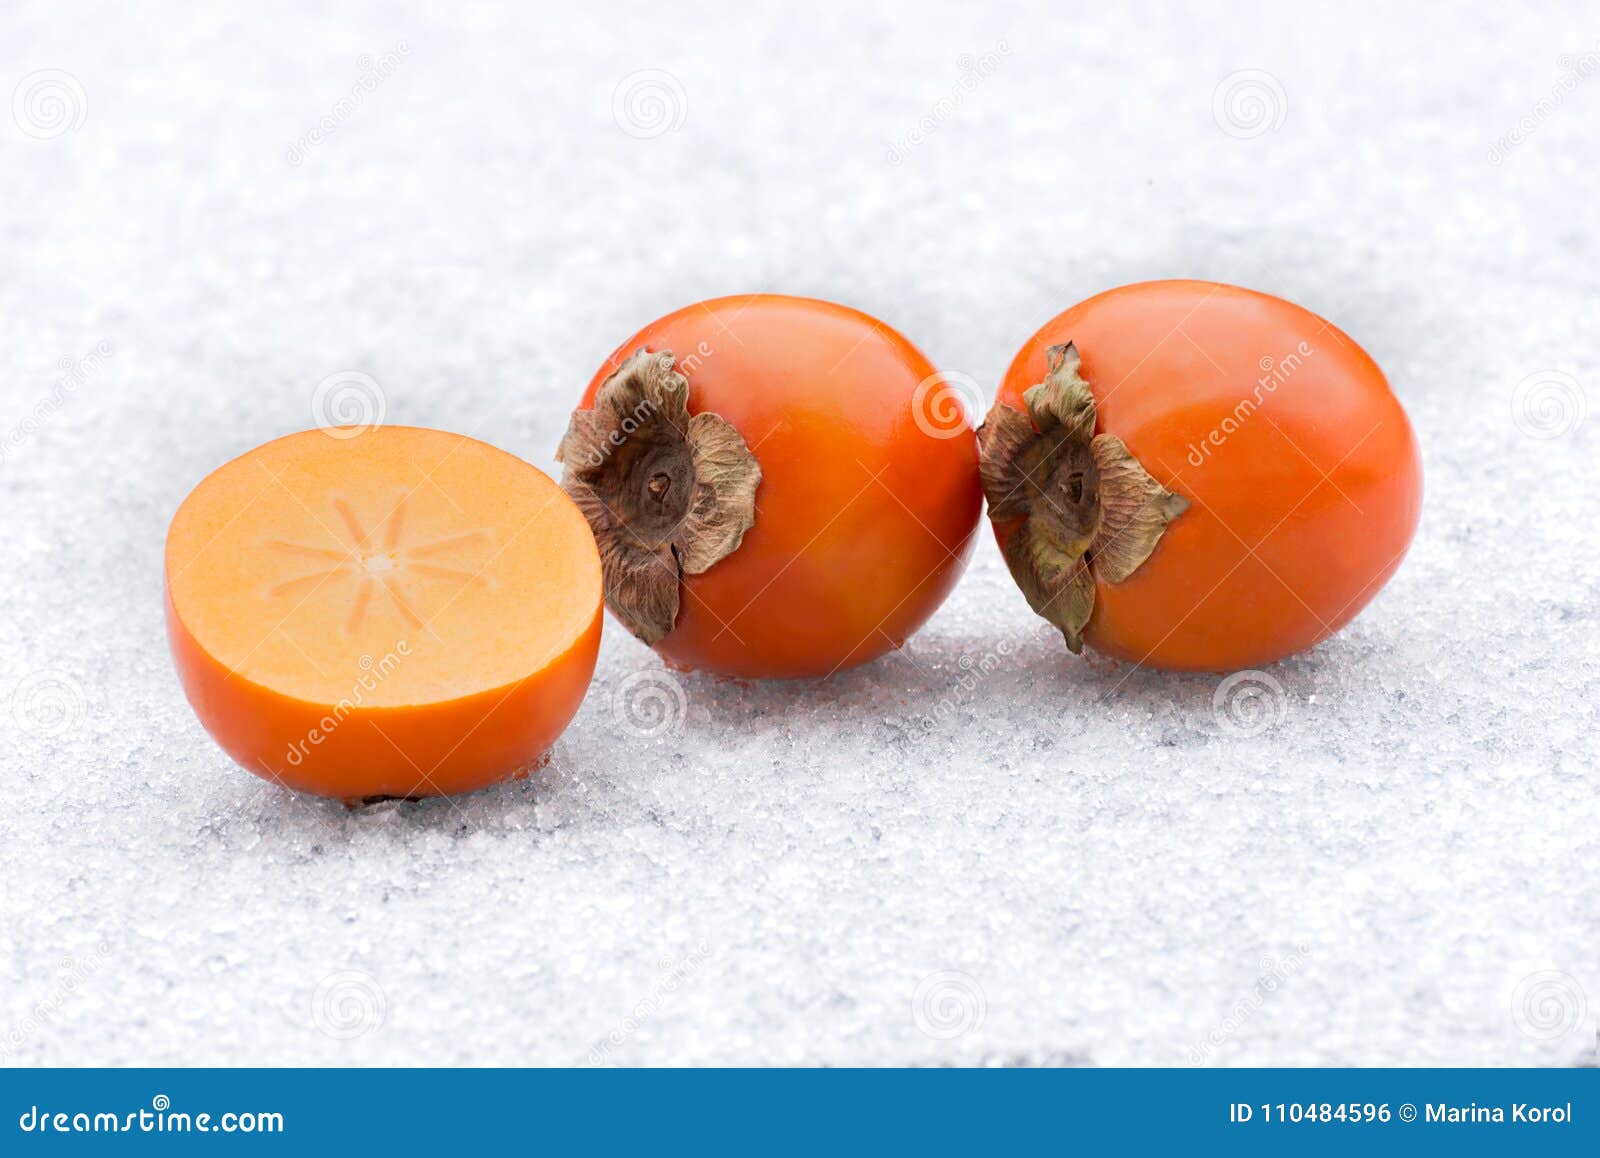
x=389, y=612
x=780, y=487
x=1196, y=476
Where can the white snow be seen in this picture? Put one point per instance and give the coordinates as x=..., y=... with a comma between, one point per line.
x=1394, y=859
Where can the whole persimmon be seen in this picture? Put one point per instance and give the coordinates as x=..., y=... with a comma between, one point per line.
x=1195, y=476
x=780, y=487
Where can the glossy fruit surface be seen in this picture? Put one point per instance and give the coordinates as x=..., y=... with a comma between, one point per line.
x=1302, y=472
x=868, y=493
x=386, y=612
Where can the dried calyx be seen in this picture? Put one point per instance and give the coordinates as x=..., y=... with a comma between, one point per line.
x=666, y=493
x=1087, y=508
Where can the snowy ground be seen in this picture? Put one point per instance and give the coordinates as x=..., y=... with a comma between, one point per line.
x=1396, y=861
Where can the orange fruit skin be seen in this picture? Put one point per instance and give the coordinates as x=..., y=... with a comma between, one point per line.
x=1302, y=504
x=864, y=521
x=452, y=733
x=462, y=744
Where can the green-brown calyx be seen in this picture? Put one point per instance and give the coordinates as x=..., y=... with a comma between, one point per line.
x=666, y=493
x=1087, y=509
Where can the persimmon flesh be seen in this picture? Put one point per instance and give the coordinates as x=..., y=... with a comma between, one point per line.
x=1284, y=469
x=781, y=487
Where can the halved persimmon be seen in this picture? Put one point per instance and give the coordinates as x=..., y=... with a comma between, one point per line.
x=1196, y=476
x=779, y=486
x=389, y=612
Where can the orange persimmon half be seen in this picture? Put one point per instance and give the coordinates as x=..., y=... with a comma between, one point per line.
x=780, y=487
x=1196, y=476
x=382, y=612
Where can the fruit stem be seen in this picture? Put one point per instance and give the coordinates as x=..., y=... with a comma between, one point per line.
x=1071, y=507
x=666, y=493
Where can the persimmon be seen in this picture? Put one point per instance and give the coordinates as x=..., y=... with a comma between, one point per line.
x=1196, y=476
x=780, y=487
x=394, y=612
